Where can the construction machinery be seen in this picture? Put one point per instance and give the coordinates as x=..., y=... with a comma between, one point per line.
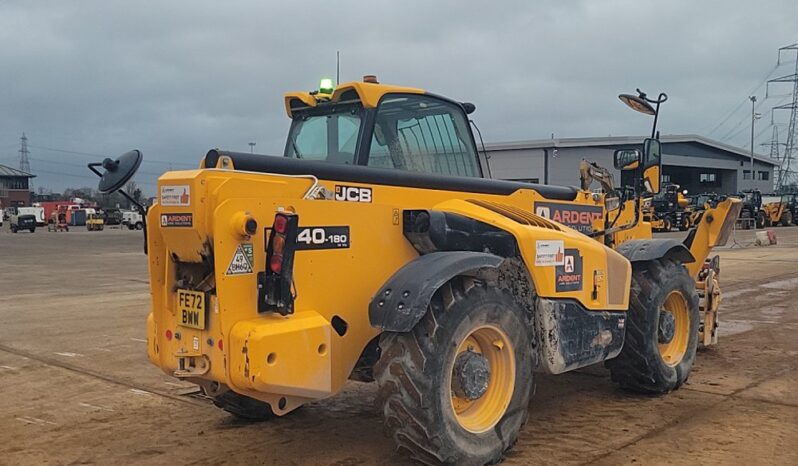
x=700, y=203
x=752, y=213
x=783, y=212
x=58, y=221
x=375, y=250
x=95, y=222
x=669, y=209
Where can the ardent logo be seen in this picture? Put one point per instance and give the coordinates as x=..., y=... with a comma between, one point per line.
x=569, y=264
x=544, y=212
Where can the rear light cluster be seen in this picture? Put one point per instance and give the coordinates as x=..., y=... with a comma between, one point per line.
x=275, y=285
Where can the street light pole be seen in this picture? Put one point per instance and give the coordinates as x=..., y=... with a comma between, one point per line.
x=252, y=148
x=753, y=120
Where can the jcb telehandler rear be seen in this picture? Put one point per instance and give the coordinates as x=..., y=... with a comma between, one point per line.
x=375, y=250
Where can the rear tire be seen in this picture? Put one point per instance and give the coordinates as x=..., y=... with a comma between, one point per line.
x=244, y=407
x=421, y=407
x=786, y=219
x=647, y=364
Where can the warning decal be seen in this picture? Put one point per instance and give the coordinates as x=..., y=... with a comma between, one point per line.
x=241, y=262
x=549, y=253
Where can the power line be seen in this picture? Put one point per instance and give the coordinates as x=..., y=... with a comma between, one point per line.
x=751, y=92
x=90, y=154
x=78, y=165
x=88, y=177
x=732, y=133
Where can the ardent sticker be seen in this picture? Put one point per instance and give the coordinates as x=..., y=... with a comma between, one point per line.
x=176, y=195
x=549, y=252
x=568, y=276
x=352, y=193
x=177, y=220
x=578, y=217
x=241, y=263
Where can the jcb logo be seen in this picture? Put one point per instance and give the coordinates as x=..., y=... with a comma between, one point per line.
x=352, y=193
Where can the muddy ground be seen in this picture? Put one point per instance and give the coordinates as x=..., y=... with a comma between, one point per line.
x=76, y=387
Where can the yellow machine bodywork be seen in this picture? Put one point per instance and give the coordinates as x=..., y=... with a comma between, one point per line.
x=202, y=255
x=287, y=361
x=301, y=357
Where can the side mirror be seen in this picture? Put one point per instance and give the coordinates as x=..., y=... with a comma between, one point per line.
x=626, y=159
x=652, y=165
x=117, y=172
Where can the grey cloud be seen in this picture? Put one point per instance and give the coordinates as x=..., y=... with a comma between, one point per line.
x=177, y=78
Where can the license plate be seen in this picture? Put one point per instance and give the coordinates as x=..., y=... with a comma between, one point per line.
x=191, y=309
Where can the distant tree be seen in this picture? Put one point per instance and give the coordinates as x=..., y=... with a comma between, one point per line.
x=133, y=190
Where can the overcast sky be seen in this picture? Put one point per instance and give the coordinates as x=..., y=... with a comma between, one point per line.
x=175, y=79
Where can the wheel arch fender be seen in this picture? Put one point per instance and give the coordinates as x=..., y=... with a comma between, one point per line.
x=404, y=299
x=639, y=250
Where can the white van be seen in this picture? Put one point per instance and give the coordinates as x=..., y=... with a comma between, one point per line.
x=37, y=212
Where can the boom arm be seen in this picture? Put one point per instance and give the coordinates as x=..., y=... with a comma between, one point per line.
x=589, y=171
x=714, y=230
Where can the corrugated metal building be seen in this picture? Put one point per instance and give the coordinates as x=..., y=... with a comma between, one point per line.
x=695, y=163
x=14, y=187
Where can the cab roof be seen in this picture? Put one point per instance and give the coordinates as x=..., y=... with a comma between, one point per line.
x=368, y=94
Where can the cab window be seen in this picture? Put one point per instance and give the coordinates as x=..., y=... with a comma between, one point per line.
x=423, y=134
x=325, y=135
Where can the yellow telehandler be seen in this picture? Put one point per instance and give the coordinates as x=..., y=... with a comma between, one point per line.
x=375, y=250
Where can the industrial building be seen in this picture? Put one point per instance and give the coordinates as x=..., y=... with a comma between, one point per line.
x=695, y=163
x=14, y=187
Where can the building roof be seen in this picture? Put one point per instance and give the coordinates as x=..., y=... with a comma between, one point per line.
x=624, y=140
x=8, y=171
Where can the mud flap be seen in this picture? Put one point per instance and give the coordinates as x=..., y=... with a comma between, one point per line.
x=570, y=337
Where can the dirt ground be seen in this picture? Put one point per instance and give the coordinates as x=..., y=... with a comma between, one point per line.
x=76, y=386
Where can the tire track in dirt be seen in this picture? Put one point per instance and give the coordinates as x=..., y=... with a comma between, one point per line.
x=703, y=411
x=101, y=376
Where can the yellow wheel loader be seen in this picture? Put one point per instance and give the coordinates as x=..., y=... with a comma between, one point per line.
x=783, y=212
x=375, y=250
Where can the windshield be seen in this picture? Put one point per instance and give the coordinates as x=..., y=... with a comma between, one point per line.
x=327, y=135
x=422, y=133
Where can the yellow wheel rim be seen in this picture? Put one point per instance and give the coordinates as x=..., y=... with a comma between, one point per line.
x=673, y=351
x=482, y=414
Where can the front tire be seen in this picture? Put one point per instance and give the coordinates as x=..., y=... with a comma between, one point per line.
x=661, y=329
x=455, y=389
x=786, y=219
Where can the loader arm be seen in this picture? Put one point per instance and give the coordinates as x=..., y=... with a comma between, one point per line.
x=714, y=229
x=590, y=171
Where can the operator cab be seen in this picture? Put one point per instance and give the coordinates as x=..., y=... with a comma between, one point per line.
x=381, y=126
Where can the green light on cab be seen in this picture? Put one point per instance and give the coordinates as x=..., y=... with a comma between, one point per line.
x=326, y=86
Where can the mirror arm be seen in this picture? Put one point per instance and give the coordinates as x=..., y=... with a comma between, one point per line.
x=139, y=207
